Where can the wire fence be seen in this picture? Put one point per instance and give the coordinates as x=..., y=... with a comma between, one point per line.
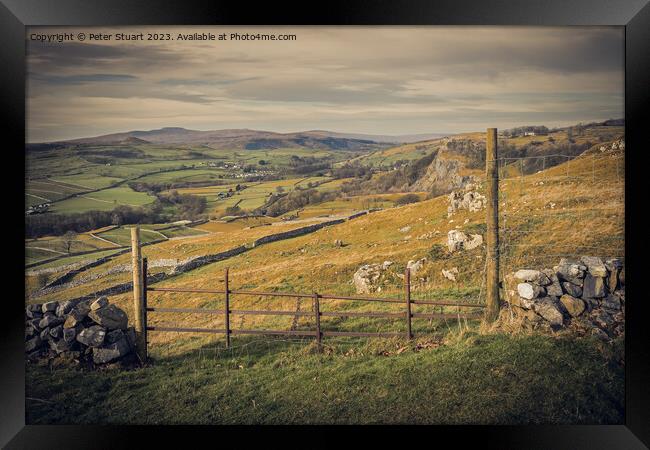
x=572, y=208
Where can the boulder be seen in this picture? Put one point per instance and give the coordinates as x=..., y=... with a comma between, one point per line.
x=521, y=302
x=35, y=323
x=110, y=317
x=92, y=336
x=99, y=303
x=49, y=307
x=405, y=229
x=574, y=306
x=594, y=265
x=533, y=276
x=594, y=287
x=34, y=308
x=457, y=240
x=130, y=337
x=549, y=310
x=77, y=315
x=572, y=289
x=111, y=352
x=30, y=332
x=554, y=289
x=338, y=243
x=386, y=265
x=602, y=318
x=450, y=274
x=366, y=278
x=49, y=320
x=33, y=344
x=529, y=290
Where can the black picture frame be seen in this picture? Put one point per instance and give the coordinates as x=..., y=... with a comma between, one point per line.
x=15, y=15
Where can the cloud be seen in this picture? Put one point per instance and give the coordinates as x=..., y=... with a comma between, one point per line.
x=383, y=80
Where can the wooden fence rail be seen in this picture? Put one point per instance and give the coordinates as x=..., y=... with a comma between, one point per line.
x=318, y=333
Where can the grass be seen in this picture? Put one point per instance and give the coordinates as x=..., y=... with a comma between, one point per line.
x=471, y=379
x=104, y=200
x=122, y=235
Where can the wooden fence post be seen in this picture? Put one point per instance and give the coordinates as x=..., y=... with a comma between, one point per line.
x=319, y=335
x=136, y=259
x=492, y=222
x=227, y=311
x=407, y=295
x=145, y=272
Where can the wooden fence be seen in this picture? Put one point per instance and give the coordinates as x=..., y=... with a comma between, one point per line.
x=142, y=309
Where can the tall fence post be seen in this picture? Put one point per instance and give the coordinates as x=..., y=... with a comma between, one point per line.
x=145, y=272
x=227, y=311
x=319, y=334
x=492, y=222
x=138, y=291
x=407, y=296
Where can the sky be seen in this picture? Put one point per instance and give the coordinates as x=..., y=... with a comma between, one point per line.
x=375, y=80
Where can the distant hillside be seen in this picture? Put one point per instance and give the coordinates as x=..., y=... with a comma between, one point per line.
x=243, y=139
x=391, y=139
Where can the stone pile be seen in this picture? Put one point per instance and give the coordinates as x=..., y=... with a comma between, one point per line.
x=91, y=333
x=586, y=294
x=471, y=200
x=457, y=240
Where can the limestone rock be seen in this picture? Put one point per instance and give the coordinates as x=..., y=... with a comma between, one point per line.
x=57, y=331
x=33, y=314
x=530, y=290
x=77, y=315
x=69, y=334
x=386, y=265
x=574, y=306
x=49, y=307
x=405, y=229
x=571, y=271
x=594, y=287
x=415, y=266
x=111, y=352
x=533, y=276
x=65, y=308
x=49, y=319
x=549, y=310
x=614, y=267
x=92, y=336
x=59, y=345
x=99, y=303
x=366, y=278
x=612, y=302
x=450, y=274
x=110, y=317
x=457, y=240
x=572, y=289
x=595, y=266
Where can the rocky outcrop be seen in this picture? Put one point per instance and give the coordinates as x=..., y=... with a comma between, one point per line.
x=472, y=201
x=367, y=278
x=442, y=175
x=586, y=294
x=87, y=333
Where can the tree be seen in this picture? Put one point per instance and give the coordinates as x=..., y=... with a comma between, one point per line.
x=68, y=238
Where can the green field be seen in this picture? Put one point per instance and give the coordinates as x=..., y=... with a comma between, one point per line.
x=63, y=261
x=104, y=200
x=122, y=235
x=471, y=379
x=181, y=231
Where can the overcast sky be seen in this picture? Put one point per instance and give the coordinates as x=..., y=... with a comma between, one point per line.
x=378, y=80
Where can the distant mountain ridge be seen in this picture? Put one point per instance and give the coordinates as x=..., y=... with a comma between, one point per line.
x=250, y=139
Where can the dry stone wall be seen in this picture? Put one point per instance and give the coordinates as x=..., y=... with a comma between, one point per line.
x=87, y=333
x=587, y=294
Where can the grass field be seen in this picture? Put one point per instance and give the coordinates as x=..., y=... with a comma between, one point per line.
x=470, y=379
x=104, y=200
x=122, y=235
